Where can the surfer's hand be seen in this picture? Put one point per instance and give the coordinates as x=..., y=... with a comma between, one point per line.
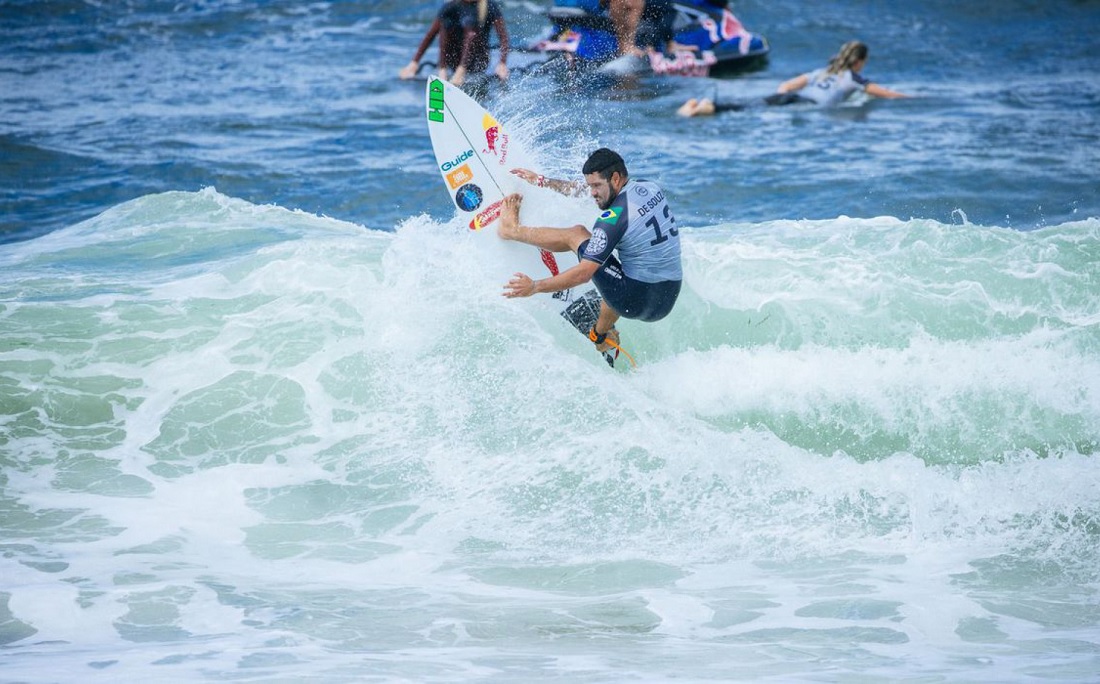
x=527, y=175
x=409, y=71
x=519, y=286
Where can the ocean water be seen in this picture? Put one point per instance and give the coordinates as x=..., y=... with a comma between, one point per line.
x=265, y=417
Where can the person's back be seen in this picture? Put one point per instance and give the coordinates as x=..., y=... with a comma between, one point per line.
x=649, y=247
x=832, y=84
x=829, y=89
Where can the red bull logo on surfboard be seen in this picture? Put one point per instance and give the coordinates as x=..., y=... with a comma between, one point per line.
x=496, y=140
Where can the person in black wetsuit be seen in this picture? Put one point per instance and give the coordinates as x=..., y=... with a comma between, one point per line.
x=463, y=29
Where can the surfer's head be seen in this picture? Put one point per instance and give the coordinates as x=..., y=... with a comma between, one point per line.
x=605, y=173
x=851, y=53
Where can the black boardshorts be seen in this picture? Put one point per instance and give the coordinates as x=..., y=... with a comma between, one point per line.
x=631, y=298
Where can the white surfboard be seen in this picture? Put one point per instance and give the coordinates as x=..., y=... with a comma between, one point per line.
x=475, y=155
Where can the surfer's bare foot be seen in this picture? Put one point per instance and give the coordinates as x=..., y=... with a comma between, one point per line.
x=688, y=108
x=509, y=217
x=695, y=107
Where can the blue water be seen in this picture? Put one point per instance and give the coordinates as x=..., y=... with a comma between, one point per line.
x=260, y=419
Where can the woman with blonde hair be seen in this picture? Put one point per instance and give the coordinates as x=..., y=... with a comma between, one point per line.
x=827, y=86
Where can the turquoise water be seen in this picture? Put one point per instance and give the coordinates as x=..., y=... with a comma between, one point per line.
x=251, y=443
x=264, y=415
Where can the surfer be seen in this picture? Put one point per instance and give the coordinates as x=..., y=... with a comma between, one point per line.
x=827, y=86
x=463, y=30
x=636, y=220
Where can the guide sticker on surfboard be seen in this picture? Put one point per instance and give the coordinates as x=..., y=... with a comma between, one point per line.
x=475, y=156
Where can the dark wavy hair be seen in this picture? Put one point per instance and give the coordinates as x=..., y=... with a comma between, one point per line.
x=605, y=162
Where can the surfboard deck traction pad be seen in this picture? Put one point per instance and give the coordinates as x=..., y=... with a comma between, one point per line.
x=582, y=314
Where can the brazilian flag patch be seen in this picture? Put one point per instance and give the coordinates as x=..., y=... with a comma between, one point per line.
x=610, y=216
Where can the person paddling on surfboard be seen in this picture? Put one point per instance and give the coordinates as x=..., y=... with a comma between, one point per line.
x=828, y=86
x=636, y=220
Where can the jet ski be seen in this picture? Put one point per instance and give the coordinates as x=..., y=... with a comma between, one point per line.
x=708, y=41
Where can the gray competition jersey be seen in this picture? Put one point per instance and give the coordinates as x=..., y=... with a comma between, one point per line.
x=832, y=89
x=640, y=225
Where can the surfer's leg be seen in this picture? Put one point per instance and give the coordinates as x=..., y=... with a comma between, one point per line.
x=550, y=239
x=606, y=322
x=611, y=282
x=625, y=16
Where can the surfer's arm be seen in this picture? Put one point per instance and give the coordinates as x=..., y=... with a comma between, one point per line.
x=879, y=91
x=521, y=285
x=502, y=33
x=445, y=49
x=565, y=187
x=796, y=83
x=410, y=70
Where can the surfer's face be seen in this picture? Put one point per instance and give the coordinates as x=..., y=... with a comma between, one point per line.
x=602, y=189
